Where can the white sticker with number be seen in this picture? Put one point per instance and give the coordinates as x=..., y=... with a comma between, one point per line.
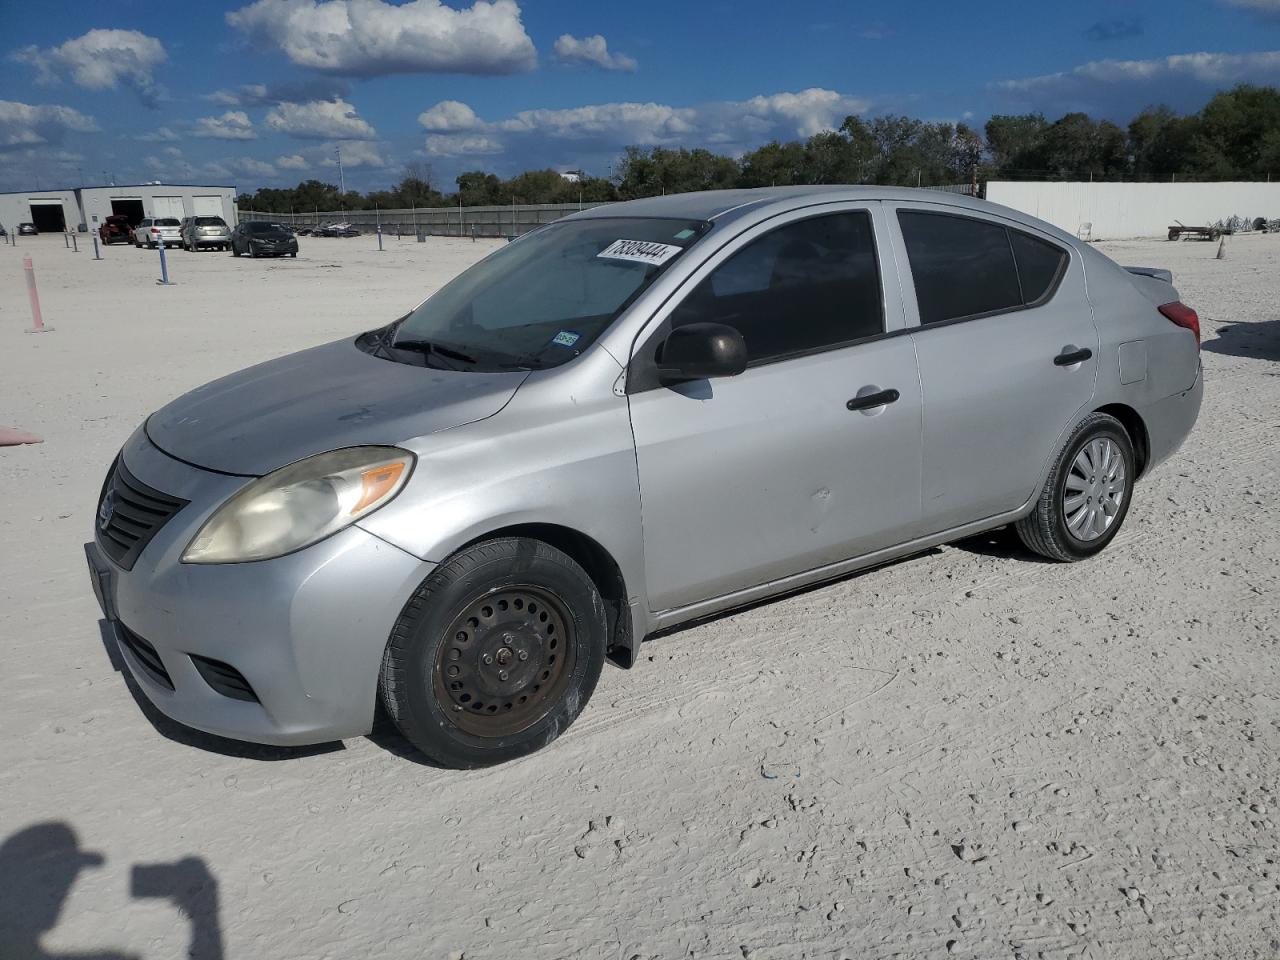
x=639, y=251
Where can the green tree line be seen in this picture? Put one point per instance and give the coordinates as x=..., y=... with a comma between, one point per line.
x=1236, y=136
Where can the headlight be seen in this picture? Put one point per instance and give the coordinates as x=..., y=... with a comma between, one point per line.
x=300, y=504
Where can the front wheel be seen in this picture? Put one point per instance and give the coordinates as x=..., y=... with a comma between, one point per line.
x=235, y=251
x=1086, y=498
x=495, y=655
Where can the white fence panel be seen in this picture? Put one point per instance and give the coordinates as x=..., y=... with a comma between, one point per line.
x=1123, y=210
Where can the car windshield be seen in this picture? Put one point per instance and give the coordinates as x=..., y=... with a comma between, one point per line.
x=168, y=222
x=261, y=226
x=543, y=299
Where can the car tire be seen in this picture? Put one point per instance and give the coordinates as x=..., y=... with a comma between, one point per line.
x=294, y=254
x=235, y=251
x=1086, y=497
x=495, y=654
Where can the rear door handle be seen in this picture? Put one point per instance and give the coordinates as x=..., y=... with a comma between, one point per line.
x=1072, y=356
x=873, y=400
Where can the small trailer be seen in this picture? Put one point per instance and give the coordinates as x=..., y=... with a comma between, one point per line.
x=1181, y=230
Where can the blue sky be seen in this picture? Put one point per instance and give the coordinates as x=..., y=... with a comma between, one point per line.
x=260, y=94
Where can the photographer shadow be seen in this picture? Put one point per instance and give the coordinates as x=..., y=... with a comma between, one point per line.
x=1259, y=341
x=40, y=864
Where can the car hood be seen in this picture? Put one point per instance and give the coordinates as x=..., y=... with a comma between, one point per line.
x=332, y=396
x=272, y=237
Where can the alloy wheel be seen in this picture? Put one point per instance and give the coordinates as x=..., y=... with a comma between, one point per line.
x=1095, y=488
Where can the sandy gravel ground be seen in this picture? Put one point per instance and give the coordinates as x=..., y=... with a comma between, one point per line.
x=967, y=753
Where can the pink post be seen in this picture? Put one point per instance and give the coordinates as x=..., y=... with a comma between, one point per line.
x=37, y=321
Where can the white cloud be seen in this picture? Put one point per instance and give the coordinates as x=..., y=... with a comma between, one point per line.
x=593, y=50
x=1262, y=6
x=102, y=60
x=232, y=125
x=320, y=120
x=369, y=38
x=249, y=167
x=159, y=135
x=449, y=116
x=614, y=125
x=356, y=153
x=1120, y=86
x=462, y=145
x=263, y=95
x=811, y=111
x=292, y=162
x=25, y=125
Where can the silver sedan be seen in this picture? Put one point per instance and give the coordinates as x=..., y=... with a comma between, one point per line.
x=634, y=417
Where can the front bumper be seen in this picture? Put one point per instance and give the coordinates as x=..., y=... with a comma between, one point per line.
x=305, y=631
x=273, y=249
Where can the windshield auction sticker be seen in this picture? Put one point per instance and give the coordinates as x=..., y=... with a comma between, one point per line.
x=639, y=251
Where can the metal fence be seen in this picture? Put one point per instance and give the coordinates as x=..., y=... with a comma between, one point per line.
x=966, y=189
x=511, y=220
x=504, y=221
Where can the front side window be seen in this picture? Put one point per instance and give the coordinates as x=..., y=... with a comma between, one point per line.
x=806, y=286
x=543, y=299
x=964, y=267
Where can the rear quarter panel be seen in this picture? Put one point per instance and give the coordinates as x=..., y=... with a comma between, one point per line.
x=1125, y=315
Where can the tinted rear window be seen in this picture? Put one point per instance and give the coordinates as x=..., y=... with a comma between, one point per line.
x=1039, y=264
x=210, y=222
x=168, y=222
x=961, y=267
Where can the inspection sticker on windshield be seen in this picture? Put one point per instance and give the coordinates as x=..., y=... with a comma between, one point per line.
x=639, y=251
x=566, y=338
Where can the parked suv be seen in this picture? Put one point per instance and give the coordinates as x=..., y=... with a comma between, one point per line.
x=154, y=229
x=202, y=232
x=116, y=229
x=629, y=419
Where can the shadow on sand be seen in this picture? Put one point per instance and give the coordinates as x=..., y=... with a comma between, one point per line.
x=1258, y=341
x=40, y=864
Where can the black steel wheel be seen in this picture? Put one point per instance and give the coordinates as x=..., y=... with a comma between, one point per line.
x=496, y=653
x=505, y=661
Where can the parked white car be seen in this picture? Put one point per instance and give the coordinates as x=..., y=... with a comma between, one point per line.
x=154, y=229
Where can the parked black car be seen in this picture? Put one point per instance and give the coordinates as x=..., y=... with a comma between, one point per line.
x=262, y=238
x=27, y=230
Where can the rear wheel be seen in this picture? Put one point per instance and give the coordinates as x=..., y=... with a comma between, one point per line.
x=495, y=655
x=1086, y=498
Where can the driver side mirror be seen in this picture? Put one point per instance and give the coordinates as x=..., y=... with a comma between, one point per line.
x=701, y=351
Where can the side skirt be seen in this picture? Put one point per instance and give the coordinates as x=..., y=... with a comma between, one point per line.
x=664, y=619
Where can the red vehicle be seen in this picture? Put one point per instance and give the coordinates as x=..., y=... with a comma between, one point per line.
x=116, y=229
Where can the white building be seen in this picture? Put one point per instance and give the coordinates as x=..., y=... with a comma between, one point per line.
x=53, y=211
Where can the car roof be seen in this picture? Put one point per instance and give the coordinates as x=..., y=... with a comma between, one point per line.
x=722, y=206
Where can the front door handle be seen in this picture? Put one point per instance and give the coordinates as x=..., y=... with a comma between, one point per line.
x=873, y=400
x=1070, y=357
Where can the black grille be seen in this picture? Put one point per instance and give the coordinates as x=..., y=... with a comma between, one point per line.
x=225, y=679
x=129, y=514
x=145, y=654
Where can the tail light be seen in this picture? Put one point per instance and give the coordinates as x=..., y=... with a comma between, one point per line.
x=157, y=230
x=1183, y=316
